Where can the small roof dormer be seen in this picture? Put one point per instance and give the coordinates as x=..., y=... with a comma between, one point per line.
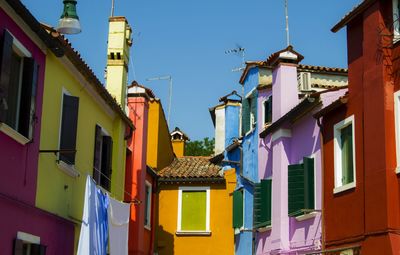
x=178, y=135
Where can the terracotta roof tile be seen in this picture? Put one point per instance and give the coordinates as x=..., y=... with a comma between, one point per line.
x=191, y=167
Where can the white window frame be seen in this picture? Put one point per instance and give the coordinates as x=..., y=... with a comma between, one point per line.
x=148, y=205
x=339, y=186
x=397, y=128
x=263, y=109
x=207, y=231
x=396, y=22
x=253, y=122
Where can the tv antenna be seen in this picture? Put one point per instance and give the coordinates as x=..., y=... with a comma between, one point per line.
x=169, y=78
x=238, y=50
x=112, y=7
x=287, y=23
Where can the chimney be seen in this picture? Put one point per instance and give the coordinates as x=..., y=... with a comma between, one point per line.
x=119, y=43
x=178, y=139
x=284, y=81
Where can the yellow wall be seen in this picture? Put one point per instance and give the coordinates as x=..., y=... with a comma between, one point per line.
x=159, y=148
x=58, y=192
x=179, y=147
x=221, y=239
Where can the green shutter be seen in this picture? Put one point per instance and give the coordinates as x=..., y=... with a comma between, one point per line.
x=309, y=200
x=238, y=209
x=262, y=203
x=194, y=214
x=296, y=189
x=254, y=105
x=269, y=110
x=245, y=116
x=347, y=154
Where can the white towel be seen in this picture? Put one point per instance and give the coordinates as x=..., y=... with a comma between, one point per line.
x=118, y=223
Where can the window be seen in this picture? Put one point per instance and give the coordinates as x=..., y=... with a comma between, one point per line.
x=267, y=109
x=397, y=127
x=102, y=163
x=249, y=112
x=396, y=22
x=262, y=203
x=18, y=84
x=27, y=244
x=194, y=210
x=301, y=188
x=344, y=153
x=147, y=208
x=238, y=209
x=69, y=123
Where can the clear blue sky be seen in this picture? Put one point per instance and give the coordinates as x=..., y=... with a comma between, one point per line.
x=187, y=39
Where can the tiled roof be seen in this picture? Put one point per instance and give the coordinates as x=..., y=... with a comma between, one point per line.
x=191, y=167
x=364, y=4
x=301, y=67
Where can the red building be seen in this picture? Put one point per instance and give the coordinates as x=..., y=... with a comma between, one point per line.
x=361, y=208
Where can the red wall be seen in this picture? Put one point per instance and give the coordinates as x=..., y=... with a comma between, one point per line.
x=365, y=215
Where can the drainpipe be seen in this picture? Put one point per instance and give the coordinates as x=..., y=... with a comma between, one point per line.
x=321, y=134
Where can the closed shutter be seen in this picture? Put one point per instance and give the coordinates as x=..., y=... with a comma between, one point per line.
x=245, y=116
x=296, y=189
x=106, y=163
x=28, y=97
x=238, y=209
x=254, y=106
x=69, y=126
x=98, y=141
x=5, y=72
x=262, y=203
x=347, y=154
x=309, y=190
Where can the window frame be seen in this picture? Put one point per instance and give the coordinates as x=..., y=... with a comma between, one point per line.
x=179, y=230
x=148, y=185
x=264, y=122
x=339, y=186
x=19, y=49
x=252, y=115
x=28, y=239
x=397, y=128
x=396, y=20
x=98, y=173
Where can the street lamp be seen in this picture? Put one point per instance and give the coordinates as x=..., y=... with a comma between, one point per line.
x=69, y=20
x=166, y=77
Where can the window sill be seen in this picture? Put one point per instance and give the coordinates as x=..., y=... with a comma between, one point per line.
x=344, y=187
x=250, y=131
x=6, y=129
x=306, y=216
x=147, y=227
x=68, y=169
x=264, y=229
x=193, y=233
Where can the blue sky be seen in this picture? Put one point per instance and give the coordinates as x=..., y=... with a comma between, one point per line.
x=188, y=40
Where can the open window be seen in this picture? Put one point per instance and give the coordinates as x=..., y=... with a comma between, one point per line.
x=396, y=20
x=102, y=163
x=26, y=244
x=249, y=112
x=18, y=85
x=267, y=110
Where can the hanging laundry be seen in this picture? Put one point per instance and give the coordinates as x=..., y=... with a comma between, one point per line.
x=93, y=238
x=118, y=223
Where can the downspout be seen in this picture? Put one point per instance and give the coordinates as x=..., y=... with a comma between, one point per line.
x=323, y=233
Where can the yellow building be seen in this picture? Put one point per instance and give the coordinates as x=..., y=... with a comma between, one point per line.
x=195, y=208
x=178, y=140
x=83, y=132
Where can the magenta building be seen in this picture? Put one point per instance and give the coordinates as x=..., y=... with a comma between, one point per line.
x=24, y=229
x=289, y=157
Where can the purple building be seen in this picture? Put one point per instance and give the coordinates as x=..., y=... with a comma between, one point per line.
x=287, y=202
x=24, y=229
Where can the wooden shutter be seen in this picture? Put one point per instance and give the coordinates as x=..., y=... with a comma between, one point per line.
x=5, y=72
x=245, y=116
x=347, y=154
x=106, y=163
x=69, y=124
x=262, y=203
x=296, y=189
x=238, y=209
x=309, y=186
x=28, y=97
x=98, y=141
x=254, y=105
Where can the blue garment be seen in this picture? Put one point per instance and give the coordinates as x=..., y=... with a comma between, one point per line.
x=93, y=238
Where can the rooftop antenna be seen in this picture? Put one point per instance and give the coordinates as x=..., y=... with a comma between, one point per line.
x=238, y=50
x=169, y=78
x=112, y=7
x=287, y=23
